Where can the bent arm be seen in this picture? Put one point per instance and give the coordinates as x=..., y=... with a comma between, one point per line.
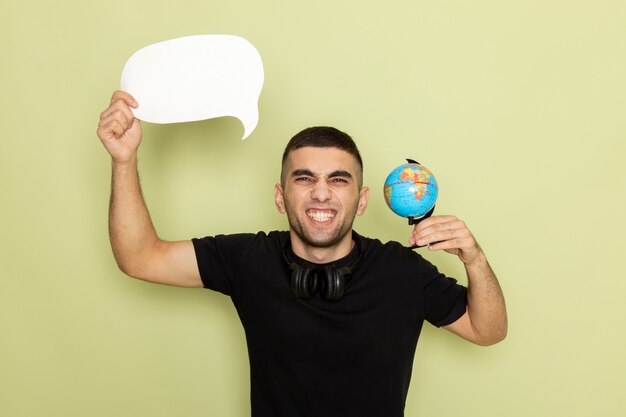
x=137, y=249
x=136, y=246
x=485, y=320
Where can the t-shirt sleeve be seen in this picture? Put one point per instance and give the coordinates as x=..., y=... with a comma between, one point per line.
x=445, y=301
x=218, y=258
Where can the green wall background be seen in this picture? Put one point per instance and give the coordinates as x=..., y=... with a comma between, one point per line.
x=517, y=107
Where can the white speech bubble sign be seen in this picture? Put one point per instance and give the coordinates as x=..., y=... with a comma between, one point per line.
x=196, y=78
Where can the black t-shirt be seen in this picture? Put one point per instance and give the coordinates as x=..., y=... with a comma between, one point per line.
x=351, y=357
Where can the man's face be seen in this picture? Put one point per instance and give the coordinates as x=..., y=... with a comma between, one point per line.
x=321, y=196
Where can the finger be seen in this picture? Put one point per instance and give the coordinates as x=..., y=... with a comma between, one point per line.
x=116, y=108
x=432, y=220
x=118, y=128
x=125, y=97
x=120, y=101
x=431, y=224
x=454, y=229
x=451, y=244
x=441, y=236
x=112, y=129
x=466, y=249
x=121, y=117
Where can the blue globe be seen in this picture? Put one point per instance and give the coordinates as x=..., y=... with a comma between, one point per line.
x=411, y=190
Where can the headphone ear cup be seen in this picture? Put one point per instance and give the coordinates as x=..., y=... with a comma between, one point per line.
x=303, y=281
x=333, y=285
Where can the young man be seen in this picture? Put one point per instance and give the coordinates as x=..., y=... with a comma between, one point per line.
x=331, y=318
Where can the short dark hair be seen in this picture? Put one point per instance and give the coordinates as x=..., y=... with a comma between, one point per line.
x=322, y=137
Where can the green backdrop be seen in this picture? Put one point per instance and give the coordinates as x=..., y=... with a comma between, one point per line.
x=517, y=107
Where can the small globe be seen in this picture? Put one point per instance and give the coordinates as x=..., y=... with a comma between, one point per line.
x=411, y=190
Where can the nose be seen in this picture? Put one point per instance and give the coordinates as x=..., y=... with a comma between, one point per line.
x=321, y=191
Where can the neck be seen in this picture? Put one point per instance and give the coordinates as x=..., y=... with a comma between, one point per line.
x=321, y=255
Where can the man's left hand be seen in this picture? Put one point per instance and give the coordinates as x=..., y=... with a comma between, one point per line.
x=446, y=233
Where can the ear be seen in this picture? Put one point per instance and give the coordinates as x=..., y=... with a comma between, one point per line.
x=364, y=196
x=278, y=198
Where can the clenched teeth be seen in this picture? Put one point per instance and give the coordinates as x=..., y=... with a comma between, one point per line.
x=321, y=216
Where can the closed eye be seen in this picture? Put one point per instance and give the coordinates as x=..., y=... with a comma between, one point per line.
x=340, y=177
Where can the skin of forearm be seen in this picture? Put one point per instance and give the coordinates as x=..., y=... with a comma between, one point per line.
x=486, y=305
x=131, y=231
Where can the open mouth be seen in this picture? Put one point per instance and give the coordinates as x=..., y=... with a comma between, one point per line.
x=321, y=215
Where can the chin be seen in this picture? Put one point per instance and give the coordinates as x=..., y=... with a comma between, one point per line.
x=323, y=241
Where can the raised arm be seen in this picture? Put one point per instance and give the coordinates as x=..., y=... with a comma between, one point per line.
x=485, y=321
x=136, y=246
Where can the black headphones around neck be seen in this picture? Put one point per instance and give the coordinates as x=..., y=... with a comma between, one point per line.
x=308, y=279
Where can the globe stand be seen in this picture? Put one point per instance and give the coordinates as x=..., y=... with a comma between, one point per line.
x=415, y=220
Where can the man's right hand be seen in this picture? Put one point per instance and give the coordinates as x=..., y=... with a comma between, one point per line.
x=119, y=130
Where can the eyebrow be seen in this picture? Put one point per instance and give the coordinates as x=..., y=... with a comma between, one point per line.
x=302, y=171
x=309, y=173
x=340, y=173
